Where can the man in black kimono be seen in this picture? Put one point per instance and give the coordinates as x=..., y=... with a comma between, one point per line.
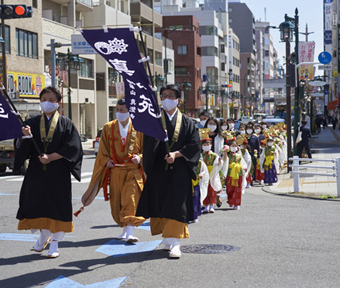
x=45, y=198
x=167, y=194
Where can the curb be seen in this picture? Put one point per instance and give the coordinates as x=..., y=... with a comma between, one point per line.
x=267, y=190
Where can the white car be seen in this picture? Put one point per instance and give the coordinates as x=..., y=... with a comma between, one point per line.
x=96, y=142
x=246, y=119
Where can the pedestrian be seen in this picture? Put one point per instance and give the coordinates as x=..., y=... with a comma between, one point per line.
x=223, y=125
x=324, y=122
x=259, y=132
x=214, y=163
x=200, y=188
x=45, y=202
x=318, y=123
x=231, y=124
x=269, y=162
x=334, y=121
x=254, y=144
x=167, y=195
x=215, y=134
x=258, y=173
x=204, y=116
x=118, y=165
x=304, y=143
x=234, y=181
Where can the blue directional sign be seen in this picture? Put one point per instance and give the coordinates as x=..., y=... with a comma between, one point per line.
x=325, y=57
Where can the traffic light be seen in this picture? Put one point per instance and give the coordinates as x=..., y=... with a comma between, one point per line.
x=15, y=11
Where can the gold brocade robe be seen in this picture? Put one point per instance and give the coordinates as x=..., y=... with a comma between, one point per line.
x=126, y=182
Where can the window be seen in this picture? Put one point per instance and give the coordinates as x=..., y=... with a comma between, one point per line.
x=266, y=53
x=222, y=48
x=27, y=43
x=180, y=70
x=7, y=40
x=209, y=51
x=222, y=66
x=182, y=49
x=176, y=27
x=158, y=58
x=86, y=68
x=208, y=30
x=35, y=3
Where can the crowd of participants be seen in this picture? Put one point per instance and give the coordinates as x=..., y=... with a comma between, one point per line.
x=235, y=160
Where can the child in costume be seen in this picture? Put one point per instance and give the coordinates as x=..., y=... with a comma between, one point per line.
x=243, y=143
x=258, y=173
x=236, y=169
x=200, y=188
x=214, y=163
x=269, y=162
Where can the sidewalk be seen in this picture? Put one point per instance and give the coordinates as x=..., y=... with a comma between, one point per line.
x=325, y=145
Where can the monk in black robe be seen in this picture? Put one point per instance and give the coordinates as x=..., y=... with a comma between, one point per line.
x=167, y=194
x=45, y=198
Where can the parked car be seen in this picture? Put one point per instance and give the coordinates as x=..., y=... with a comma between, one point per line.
x=246, y=119
x=273, y=120
x=96, y=142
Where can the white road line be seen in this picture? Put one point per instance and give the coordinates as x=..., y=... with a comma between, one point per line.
x=10, y=177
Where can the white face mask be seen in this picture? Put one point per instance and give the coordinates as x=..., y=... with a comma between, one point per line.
x=242, y=147
x=257, y=131
x=121, y=117
x=233, y=149
x=249, y=131
x=203, y=122
x=48, y=107
x=242, y=132
x=231, y=125
x=169, y=104
x=224, y=127
x=212, y=127
x=270, y=143
x=206, y=148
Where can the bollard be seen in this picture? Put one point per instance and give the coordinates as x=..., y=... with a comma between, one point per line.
x=337, y=161
x=296, y=162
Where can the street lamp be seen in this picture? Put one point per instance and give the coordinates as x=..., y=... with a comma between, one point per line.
x=286, y=33
x=73, y=62
x=186, y=88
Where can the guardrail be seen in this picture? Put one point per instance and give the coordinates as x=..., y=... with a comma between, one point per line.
x=296, y=160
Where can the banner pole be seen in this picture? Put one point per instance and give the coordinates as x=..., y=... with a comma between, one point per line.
x=162, y=119
x=4, y=92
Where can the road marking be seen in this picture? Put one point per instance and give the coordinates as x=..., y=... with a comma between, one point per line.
x=20, y=179
x=22, y=237
x=118, y=248
x=62, y=281
x=8, y=194
x=10, y=177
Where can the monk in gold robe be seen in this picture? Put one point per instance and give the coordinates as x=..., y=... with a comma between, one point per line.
x=118, y=165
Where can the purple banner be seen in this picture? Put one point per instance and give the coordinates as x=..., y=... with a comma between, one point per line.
x=119, y=48
x=10, y=126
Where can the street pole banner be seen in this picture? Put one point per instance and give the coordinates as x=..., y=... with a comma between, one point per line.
x=9, y=122
x=306, y=54
x=119, y=48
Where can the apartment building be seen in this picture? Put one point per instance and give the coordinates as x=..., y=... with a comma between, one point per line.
x=184, y=33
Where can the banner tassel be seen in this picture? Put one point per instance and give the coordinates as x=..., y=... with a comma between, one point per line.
x=78, y=212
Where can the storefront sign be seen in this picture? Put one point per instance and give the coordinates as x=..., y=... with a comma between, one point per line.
x=28, y=85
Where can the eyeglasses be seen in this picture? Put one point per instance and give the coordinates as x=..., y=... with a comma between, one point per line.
x=171, y=96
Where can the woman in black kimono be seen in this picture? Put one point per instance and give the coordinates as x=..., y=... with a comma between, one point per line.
x=45, y=198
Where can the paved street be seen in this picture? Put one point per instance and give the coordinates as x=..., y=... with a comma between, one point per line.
x=282, y=241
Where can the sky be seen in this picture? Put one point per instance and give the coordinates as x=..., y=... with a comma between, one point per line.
x=310, y=12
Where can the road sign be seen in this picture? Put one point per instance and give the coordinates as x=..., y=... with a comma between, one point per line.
x=317, y=83
x=57, y=70
x=325, y=67
x=325, y=57
x=80, y=45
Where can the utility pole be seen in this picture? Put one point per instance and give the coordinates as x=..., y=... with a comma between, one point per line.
x=306, y=33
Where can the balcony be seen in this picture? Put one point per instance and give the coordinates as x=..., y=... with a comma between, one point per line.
x=84, y=5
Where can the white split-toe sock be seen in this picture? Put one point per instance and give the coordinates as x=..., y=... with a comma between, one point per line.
x=175, y=251
x=53, y=252
x=129, y=235
x=123, y=235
